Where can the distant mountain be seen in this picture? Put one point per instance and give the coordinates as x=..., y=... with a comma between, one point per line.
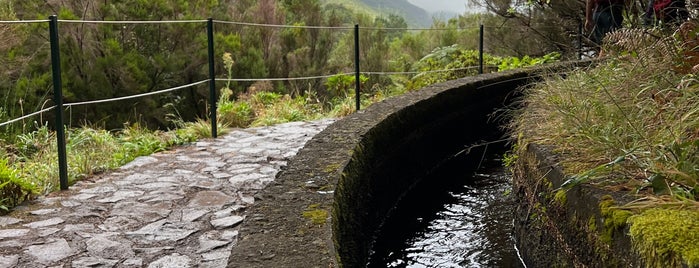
x=414, y=15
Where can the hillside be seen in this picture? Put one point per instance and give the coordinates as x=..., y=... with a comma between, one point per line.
x=415, y=16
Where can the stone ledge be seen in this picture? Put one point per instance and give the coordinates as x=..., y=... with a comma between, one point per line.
x=571, y=230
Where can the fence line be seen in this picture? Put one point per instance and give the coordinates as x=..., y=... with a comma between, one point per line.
x=421, y=72
x=278, y=79
x=283, y=25
x=21, y=21
x=135, y=96
x=27, y=116
x=133, y=21
x=416, y=29
x=70, y=105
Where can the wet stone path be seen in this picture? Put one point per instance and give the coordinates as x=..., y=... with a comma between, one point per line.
x=178, y=208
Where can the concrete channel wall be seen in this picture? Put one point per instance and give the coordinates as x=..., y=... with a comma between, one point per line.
x=324, y=209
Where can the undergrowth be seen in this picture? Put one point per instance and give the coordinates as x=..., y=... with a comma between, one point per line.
x=629, y=124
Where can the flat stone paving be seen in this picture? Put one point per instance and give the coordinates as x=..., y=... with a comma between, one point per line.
x=178, y=208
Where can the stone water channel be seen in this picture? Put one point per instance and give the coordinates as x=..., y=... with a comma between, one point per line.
x=459, y=216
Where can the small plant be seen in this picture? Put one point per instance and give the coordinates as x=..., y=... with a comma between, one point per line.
x=13, y=190
x=341, y=85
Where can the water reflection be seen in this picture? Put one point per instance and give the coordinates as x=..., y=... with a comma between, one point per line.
x=467, y=223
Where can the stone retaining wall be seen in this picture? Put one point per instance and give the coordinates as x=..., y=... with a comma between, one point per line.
x=324, y=209
x=574, y=228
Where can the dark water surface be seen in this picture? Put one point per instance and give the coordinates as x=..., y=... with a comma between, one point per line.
x=461, y=216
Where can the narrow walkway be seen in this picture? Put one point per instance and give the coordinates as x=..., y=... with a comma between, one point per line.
x=178, y=208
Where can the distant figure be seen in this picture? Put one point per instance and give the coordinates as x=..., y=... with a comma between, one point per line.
x=602, y=17
x=672, y=12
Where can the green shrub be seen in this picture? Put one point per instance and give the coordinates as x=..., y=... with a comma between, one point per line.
x=13, y=190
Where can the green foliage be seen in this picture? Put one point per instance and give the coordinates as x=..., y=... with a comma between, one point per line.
x=462, y=62
x=13, y=190
x=526, y=61
x=341, y=85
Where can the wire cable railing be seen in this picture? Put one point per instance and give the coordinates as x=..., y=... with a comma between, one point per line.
x=283, y=25
x=22, y=21
x=279, y=78
x=135, y=96
x=27, y=116
x=59, y=106
x=133, y=21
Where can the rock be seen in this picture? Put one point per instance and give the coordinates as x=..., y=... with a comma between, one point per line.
x=9, y=261
x=211, y=240
x=165, y=231
x=172, y=261
x=93, y=262
x=47, y=231
x=51, y=252
x=5, y=221
x=44, y=211
x=226, y=222
x=133, y=262
x=120, y=195
x=108, y=248
x=11, y=233
x=70, y=203
x=214, y=199
x=139, y=161
x=44, y=223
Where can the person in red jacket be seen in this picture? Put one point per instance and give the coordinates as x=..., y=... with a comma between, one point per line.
x=672, y=12
x=602, y=17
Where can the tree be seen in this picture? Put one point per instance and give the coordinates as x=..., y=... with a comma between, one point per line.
x=536, y=27
x=112, y=60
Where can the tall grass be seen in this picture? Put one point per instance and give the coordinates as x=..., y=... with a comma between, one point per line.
x=630, y=122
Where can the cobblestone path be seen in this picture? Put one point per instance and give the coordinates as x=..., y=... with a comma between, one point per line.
x=178, y=208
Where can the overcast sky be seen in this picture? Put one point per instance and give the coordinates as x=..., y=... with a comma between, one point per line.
x=432, y=6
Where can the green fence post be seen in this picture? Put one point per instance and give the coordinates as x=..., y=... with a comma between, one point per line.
x=212, y=77
x=356, y=67
x=480, y=51
x=58, y=100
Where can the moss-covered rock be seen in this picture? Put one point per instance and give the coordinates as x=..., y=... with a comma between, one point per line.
x=666, y=237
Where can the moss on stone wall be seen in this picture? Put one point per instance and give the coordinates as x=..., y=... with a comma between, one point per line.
x=614, y=218
x=666, y=237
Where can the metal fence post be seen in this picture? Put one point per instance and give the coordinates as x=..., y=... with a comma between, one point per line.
x=480, y=50
x=212, y=77
x=580, y=45
x=356, y=67
x=58, y=100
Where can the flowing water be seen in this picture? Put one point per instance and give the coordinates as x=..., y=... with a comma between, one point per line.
x=458, y=217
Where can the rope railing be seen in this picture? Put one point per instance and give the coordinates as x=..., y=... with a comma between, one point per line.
x=27, y=116
x=135, y=96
